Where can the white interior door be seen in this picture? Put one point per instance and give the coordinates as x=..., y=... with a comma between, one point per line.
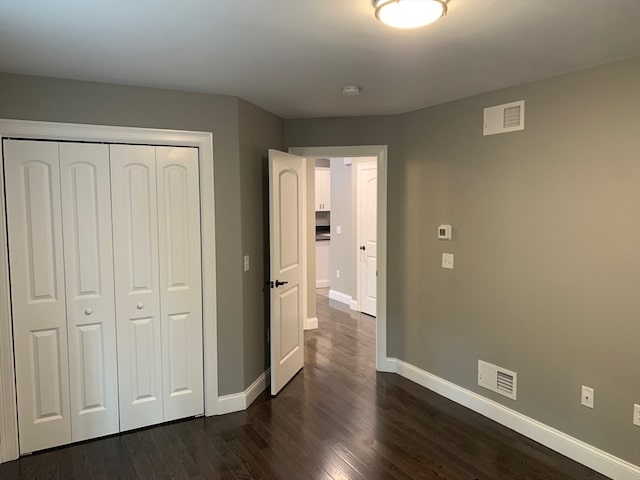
x=38, y=293
x=367, y=193
x=180, y=281
x=287, y=187
x=88, y=255
x=135, y=247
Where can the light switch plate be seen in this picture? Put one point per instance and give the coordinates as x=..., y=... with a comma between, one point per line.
x=636, y=415
x=338, y=229
x=447, y=261
x=246, y=263
x=587, y=396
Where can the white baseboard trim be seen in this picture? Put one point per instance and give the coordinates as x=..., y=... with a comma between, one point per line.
x=237, y=402
x=344, y=298
x=234, y=402
x=311, y=323
x=340, y=297
x=323, y=283
x=259, y=385
x=571, y=447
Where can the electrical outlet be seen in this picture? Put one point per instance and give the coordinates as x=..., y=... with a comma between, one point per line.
x=337, y=273
x=636, y=415
x=338, y=229
x=246, y=263
x=587, y=396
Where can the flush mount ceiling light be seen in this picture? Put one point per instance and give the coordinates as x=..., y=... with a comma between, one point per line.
x=409, y=13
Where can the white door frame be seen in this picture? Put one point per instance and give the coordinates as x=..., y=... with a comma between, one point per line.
x=98, y=133
x=379, y=151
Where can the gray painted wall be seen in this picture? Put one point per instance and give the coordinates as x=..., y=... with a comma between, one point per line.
x=259, y=130
x=546, y=240
x=342, y=254
x=48, y=99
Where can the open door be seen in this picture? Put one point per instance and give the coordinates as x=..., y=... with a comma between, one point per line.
x=287, y=193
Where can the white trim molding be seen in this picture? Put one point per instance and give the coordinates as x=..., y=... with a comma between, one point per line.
x=9, y=449
x=112, y=134
x=348, y=300
x=381, y=152
x=236, y=402
x=311, y=323
x=571, y=447
x=340, y=297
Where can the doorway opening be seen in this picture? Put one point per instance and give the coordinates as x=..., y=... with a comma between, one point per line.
x=345, y=233
x=350, y=264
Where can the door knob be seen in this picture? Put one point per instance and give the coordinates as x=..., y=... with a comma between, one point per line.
x=278, y=283
x=140, y=306
x=88, y=311
x=363, y=248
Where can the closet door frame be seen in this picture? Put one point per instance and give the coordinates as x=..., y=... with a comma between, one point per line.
x=98, y=133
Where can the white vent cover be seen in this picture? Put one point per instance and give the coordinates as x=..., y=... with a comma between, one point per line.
x=504, y=118
x=498, y=379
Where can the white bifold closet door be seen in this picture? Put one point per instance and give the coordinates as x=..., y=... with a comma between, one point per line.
x=156, y=232
x=58, y=214
x=91, y=323
x=135, y=245
x=180, y=281
x=105, y=266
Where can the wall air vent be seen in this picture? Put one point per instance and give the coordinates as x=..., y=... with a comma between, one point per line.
x=498, y=379
x=504, y=118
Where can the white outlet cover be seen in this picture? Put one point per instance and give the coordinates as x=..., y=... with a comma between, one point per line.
x=447, y=261
x=588, y=395
x=246, y=263
x=338, y=229
x=337, y=273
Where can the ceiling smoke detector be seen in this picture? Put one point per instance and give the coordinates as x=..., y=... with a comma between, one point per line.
x=351, y=90
x=409, y=13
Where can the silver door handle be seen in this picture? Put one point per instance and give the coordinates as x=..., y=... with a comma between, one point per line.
x=88, y=311
x=140, y=306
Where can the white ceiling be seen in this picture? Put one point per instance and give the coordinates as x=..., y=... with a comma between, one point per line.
x=292, y=57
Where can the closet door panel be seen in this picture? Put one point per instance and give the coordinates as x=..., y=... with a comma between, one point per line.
x=86, y=216
x=180, y=280
x=38, y=293
x=135, y=247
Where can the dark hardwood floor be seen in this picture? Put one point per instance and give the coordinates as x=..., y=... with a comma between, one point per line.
x=337, y=419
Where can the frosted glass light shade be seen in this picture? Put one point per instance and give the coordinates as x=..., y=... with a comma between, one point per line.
x=410, y=13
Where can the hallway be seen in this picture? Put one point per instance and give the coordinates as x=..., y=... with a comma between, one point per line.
x=337, y=419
